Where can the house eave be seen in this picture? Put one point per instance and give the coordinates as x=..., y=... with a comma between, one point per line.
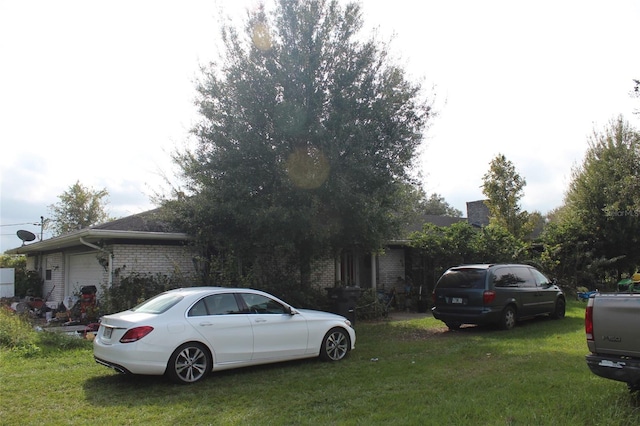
x=94, y=235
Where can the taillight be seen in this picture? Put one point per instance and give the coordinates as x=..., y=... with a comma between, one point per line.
x=488, y=297
x=434, y=298
x=588, y=320
x=135, y=334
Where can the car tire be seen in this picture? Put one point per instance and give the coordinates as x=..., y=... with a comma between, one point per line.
x=508, y=318
x=335, y=345
x=189, y=363
x=560, y=309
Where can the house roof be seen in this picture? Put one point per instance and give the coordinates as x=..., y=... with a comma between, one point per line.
x=418, y=224
x=148, y=226
x=434, y=219
x=149, y=221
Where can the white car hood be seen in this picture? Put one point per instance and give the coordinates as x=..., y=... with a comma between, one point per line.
x=310, y=314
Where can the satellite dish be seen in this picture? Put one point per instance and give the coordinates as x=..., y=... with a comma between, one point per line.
x=26, y=236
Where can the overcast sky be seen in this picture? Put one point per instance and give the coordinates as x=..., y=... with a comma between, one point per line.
x=102, y=92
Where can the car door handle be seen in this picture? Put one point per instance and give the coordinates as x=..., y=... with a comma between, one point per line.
x=205, y=324
x=260, y=320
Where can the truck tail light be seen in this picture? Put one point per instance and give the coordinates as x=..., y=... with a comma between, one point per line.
x=588, y=320
x=488, y=297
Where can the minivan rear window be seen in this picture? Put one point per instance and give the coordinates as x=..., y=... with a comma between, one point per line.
x=463, y=278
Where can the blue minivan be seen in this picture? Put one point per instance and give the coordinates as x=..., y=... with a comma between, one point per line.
x=500, y=294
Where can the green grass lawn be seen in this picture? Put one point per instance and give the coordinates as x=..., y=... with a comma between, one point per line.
x=407, y=373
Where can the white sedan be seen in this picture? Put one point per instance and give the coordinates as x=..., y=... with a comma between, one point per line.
x=188, y=332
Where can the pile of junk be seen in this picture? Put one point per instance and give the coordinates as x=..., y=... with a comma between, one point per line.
x=75, y=310
x=630, y=285
x=625, y=285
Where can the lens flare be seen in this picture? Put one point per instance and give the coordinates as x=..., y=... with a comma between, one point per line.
x=308, y=168
x=261, y=37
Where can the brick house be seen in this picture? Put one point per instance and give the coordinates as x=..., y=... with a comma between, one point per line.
x=143, y=243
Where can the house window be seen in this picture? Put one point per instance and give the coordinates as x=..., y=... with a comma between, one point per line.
x=47, y=275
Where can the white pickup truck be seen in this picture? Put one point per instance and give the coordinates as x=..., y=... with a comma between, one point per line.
x=613, y=337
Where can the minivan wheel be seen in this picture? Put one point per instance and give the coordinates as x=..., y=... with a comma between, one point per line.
x=508, y=318
x=560, y=309
x=453, y=325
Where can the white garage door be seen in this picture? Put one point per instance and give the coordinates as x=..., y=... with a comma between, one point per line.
x=84, y=270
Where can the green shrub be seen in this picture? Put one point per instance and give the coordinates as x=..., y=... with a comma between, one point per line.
x=134, y=289
x=23, y=339
x=61, y=341
x=16, y=332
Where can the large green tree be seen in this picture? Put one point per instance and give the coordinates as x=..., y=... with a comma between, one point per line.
x=79, y=207
x=308, y=134
x=503, y=186
x=604, y=196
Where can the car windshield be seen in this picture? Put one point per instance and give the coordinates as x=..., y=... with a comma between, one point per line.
x=463, y=278
x=158, y=304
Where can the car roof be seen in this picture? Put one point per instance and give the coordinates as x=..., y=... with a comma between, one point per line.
x=197, y=290
x=488, y=265
x=473, y=266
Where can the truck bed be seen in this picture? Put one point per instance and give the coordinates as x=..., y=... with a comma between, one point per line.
x=612, y=325
x=616, y=324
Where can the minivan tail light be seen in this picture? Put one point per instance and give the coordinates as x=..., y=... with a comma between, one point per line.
x=588, y=320
x=135, y=334
x=488, y=297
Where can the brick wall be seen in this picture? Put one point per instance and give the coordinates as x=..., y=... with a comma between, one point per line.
x=324, y=274
x=390, y=268
x=153, y=259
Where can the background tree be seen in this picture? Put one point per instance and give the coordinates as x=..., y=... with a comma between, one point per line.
x=307, y=138
x=635, y=93
x=442, y=247
x=604, y=198
x=78, y=208
x=568, y=250
x=437, y=205
x=503, y=187
x=413, y=205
